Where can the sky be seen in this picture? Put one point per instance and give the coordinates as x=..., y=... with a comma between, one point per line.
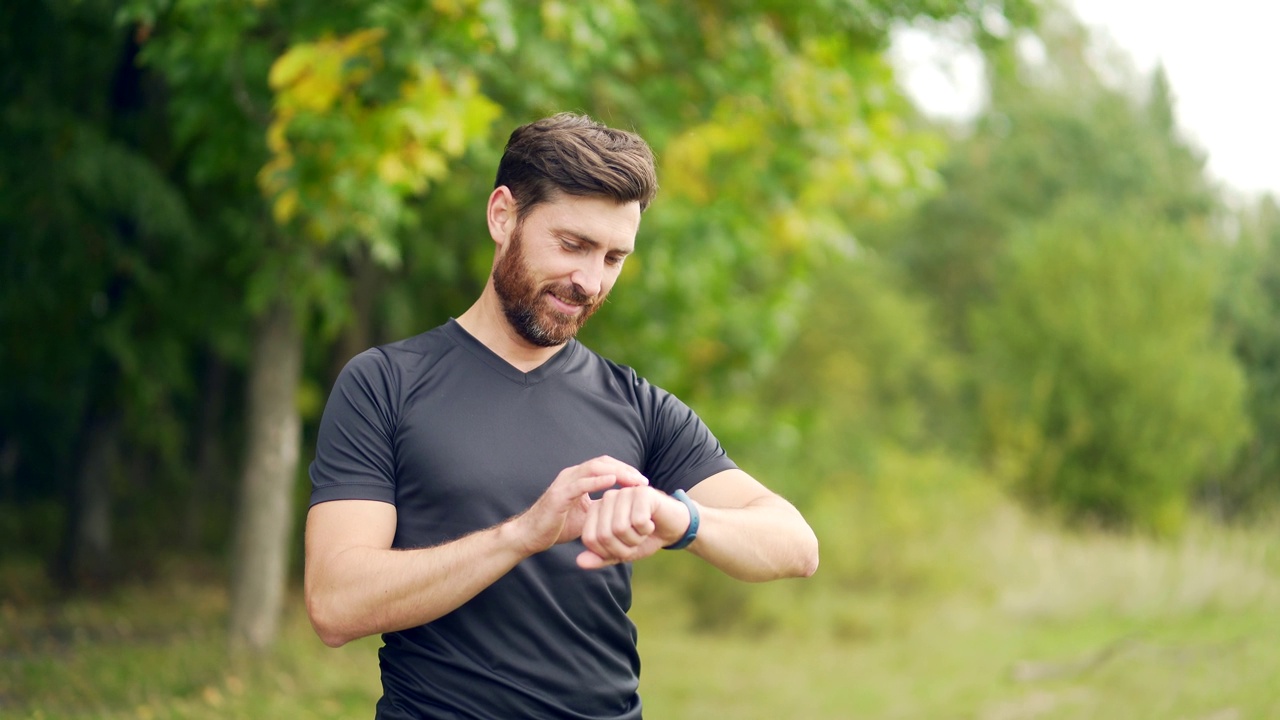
x=1221, y=58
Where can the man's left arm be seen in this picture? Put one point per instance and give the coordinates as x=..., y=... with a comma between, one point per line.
x=746, y=530
x=750, y=532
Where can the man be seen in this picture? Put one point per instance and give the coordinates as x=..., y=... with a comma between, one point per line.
x=479, y=491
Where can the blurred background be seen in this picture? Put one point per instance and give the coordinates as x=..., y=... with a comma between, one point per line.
x=1014, y=351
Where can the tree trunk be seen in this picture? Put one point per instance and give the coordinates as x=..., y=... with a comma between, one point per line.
x=365, y=280
x=264, y=518
x=209, y=478
x=86, y=560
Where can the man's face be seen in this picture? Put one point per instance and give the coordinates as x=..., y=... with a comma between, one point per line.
x=560, y=263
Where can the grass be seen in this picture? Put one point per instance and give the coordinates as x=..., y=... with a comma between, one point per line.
x=1044, y=625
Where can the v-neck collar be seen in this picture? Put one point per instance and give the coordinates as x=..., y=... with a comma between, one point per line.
x=468, y=342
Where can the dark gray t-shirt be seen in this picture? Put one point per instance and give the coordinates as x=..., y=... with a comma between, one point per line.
x=459, y=440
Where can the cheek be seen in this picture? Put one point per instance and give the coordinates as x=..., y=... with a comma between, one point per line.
x=607, y=283
x=557, y=268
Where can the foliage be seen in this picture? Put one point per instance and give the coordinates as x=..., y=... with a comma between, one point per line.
x=230, y=154
x=1107, y=392
x=345, y=161
x=1250, y=314
x=1057, y=129
x=1074, y=261
x=756, y=194
x=220, y=160
x=369, y=101
x=101, y=259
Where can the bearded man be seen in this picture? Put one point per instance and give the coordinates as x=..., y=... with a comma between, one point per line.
x=480, y=491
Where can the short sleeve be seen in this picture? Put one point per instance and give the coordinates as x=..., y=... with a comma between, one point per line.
x=681, y=451
x=355, y=447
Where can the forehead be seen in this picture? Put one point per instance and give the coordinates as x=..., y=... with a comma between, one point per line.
x=600, y=220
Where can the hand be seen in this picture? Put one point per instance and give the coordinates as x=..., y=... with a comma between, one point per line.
x=559, y=514
x=630, y=523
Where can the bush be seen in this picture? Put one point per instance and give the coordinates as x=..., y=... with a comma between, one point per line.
x=1105, y=392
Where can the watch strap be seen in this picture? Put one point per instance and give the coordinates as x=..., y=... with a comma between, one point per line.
x=694, y=520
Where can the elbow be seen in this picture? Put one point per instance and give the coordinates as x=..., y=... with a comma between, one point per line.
x=808, y=564
x=799, y=560
x=326, y=626
x=329, y=637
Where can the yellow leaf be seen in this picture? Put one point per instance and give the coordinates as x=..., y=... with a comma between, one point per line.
x=276, y=141
x=685, y=167
x=269, y=177
x=317, y=88
x=789, y=230
x=361, y=40
x=391, y=169
x=431, y=164
x=293, y=63
x=451, y=8
x=285, y=206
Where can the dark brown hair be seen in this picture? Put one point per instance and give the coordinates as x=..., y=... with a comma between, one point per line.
x=576, y=155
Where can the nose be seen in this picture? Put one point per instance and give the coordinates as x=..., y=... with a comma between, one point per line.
x=589, y=278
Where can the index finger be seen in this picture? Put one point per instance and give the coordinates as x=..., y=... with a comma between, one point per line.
x=623, y=473
x=591, y=483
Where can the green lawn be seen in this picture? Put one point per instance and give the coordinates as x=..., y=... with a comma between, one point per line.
x=1055, y=626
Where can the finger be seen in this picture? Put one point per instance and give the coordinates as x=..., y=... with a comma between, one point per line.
x=629, y=520
x=575, y=519
x=597, y=533
x=613, y=536
x=634, y=479
x=588, y=560
x=592, y=529
x=562, y=507
x=642, y=516
x=591, y=483
x=624, y=474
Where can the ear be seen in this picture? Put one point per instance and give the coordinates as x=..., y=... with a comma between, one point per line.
x=501, y=215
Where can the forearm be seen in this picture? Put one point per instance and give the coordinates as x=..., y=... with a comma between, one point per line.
x=356, y=585
x=766, y=539
x=361, y=590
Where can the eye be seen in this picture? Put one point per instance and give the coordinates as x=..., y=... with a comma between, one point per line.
x=614, y=259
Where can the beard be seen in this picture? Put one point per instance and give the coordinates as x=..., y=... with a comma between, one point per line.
x=526, y=306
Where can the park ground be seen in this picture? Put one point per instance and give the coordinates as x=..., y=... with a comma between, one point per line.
x=1042, y=624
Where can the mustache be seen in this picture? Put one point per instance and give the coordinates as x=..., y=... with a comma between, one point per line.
x=572, y=294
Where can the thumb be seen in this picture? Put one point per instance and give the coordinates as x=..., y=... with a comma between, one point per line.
x=588, y=560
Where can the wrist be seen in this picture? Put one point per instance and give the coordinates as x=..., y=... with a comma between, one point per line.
x=695, y=520
x=516, y=536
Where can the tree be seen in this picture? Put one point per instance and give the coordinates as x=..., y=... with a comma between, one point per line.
x=291, y=143
x=1071, y=259
x=1107, y=391
x=1250, y=315
x=99, y=257
x=1056, y=129
x=349, y=154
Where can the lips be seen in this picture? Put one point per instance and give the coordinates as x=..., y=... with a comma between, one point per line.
x=565, y=306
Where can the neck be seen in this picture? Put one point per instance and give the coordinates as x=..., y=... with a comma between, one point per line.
x=486, y=322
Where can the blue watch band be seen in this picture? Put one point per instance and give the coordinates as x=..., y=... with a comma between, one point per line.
x=694, y=519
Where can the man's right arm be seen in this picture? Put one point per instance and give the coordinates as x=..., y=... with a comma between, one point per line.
x=357, y=585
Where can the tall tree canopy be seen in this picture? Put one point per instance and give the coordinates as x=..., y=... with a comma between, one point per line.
x=1076, y=261
x=246, y=192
